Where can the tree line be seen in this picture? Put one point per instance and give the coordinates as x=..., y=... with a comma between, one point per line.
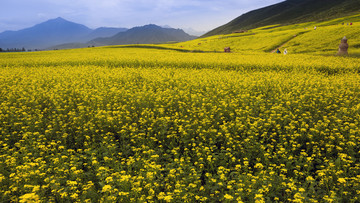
x=14, y=50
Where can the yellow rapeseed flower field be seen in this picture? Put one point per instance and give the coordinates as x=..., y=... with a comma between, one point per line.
x=132, y=124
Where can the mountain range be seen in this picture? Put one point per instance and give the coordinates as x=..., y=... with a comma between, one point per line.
x=59, y=34
x=290, y=12
x=53, y=32
x=143, y=35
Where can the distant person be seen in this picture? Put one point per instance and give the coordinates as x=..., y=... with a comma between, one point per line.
x=315, y=28
x=342, y=23
x=278, y=51
x=285, y=51
x=350, y=23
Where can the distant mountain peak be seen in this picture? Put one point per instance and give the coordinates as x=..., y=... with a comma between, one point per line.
x=58, y=20
x=49, y=33
x=151, y=26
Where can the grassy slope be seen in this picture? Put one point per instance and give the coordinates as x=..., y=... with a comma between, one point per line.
x=290, y=12
x=324, y=40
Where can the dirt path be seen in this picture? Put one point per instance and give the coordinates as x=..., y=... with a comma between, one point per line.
x=273, y=51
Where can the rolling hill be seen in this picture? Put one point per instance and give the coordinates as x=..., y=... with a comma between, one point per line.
x=104, y=32
x=299, y=38
x=290, y=12
x=144, y=35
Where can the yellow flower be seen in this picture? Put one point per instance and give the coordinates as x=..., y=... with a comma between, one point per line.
x=168, y=198
x=2, y=178
x=123, y=193
x=161, y=195
x=29, y=197
x=301, y=190
x=74, y=196
x=228, y=197
x=341, y=180
x=109, y=179
x=259, y=165
x=259, y=198
x=106, y=188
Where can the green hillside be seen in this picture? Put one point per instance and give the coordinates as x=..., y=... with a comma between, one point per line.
x=290, y=12
x=298, y=38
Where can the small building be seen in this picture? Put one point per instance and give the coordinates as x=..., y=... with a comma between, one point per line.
x=227, y=49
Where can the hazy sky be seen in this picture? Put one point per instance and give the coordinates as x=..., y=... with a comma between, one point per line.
x=201, y=15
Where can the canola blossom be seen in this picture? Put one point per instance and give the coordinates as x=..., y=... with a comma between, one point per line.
x=120, y=124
